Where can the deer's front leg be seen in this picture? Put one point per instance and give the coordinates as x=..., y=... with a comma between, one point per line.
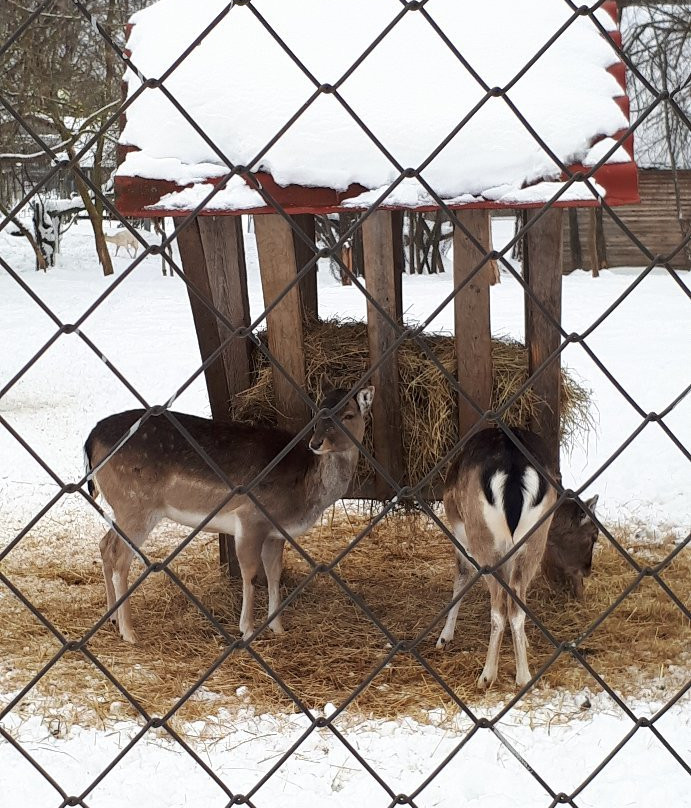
x=248, y=547
x=272, y=558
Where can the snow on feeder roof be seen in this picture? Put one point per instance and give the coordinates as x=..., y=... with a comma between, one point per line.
x=414, y=94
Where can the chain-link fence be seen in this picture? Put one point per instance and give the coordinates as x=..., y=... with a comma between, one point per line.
x=68, y=160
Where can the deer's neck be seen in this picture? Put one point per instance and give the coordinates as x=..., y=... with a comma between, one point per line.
x=328, y=477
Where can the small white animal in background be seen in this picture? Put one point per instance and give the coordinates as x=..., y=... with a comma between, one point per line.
x=123, y=238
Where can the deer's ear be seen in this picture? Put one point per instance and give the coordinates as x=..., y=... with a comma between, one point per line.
x=326, y=384
x=590, y=504
x=365, y=398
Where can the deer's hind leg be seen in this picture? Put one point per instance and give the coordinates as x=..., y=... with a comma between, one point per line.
x=498, y=609
x=463, y=572
x=117, y=558
x=107, y=558
x=523, y=570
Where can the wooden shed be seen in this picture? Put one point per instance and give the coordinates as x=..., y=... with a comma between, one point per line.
x=348, y=137
x=593, y=241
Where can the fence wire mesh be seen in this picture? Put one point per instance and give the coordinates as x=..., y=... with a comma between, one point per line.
x=412, y=492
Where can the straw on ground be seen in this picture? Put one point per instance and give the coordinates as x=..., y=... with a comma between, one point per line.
x=402, y=570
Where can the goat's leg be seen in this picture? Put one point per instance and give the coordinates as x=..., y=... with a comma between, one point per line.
x=463, y=572
x=498, y=623
x=248, y=547
x=272, y=558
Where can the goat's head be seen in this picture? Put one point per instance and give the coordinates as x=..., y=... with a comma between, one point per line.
x=327, y=436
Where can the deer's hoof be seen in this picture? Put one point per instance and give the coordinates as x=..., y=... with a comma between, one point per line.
x=485, y=681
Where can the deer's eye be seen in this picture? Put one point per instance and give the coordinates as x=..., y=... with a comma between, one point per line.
x=348, y=417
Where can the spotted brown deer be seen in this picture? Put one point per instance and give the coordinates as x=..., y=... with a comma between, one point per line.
x=157, y=474
x=493, y=497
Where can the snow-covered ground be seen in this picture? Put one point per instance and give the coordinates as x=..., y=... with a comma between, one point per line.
x=145, y=330
x=241, y=749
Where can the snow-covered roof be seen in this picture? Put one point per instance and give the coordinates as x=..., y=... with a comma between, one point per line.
x=412, y=91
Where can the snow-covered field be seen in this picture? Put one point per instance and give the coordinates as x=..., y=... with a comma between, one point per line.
x=321, y=771
x=145, y=329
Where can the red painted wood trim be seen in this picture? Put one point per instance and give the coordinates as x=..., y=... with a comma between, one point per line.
x=624, y=104
x=610, y=6
x=618, y=70
x=133, y=194
x=615, y=36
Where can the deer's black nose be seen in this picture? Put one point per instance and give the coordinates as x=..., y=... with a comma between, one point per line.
x=316, y=443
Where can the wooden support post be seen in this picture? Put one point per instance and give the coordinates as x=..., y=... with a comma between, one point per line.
x=593, y=256
x=542, y=271
x=398, y=259
x=575, y=241
x=277, y=267
x=206, y=324
x=383, y=255
x=598, y=248
x=303, y=255
x=472, y=316
x=225, y=260
x=213, y=258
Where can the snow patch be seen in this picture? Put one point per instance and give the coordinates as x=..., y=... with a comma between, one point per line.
x=236, y=196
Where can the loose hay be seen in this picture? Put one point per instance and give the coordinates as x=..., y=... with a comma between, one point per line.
x=338, y=350
x=402, y=570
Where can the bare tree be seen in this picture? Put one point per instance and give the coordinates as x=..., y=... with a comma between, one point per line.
x=426, y=239
x=60, y=84
x=658, y=41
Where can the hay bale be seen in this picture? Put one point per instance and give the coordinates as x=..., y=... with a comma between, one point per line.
x=338, y=350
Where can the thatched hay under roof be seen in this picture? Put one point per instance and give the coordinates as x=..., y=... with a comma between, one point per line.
x=338, y=350
x=402, y=570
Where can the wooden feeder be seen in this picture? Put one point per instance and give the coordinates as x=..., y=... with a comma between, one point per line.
x=212, y=254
